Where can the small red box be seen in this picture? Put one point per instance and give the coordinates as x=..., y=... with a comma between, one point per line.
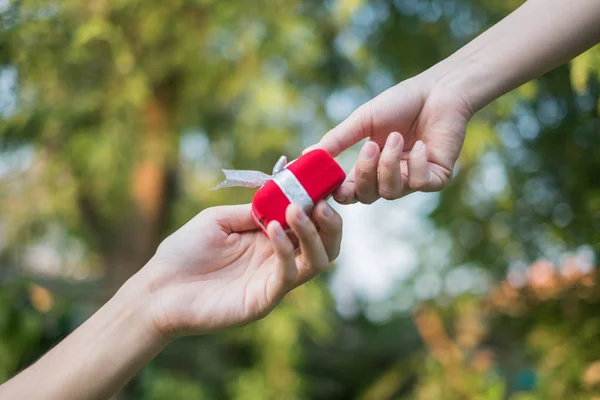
x=316, y=171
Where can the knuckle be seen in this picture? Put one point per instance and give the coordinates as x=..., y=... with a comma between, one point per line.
x=387, y=163
x=312, y=235
x=388, y=194
x=366, y=199
x=418, y=185
x=286, y=253
x=364, y=174
x=365, y=116
x=210, y=213
x=289, y=251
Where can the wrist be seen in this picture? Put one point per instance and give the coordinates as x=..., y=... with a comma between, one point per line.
x=459, y=78
x=153, y=283
x=135, y=302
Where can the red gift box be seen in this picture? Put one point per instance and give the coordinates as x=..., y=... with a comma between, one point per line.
x=306, y=181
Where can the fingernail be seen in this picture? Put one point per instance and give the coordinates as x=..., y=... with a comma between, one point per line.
x=279, y=234
x=327, y=211
x=418, y=145
x=393, y=140
x=340, y=198
x=301, y=215
x=370, y=150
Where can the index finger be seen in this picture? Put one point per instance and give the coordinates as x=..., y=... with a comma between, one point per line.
x=352, y=130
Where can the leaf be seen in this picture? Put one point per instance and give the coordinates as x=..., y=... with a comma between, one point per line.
x=581, y=68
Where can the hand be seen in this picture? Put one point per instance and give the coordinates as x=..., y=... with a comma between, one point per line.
x=416, y=131
x=219, y=271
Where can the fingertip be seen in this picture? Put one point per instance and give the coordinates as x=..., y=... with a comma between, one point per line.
x=324, y=210
x=281, y=242
x=365, y=186
x=340, y=198
x=330, y=143
x=418, y=171
x=419, y=151
x=327, y=217
x=418, y=154
x=369, y=151
x=345, y=194
x=295, y=215
x=330, y=148
x=310, y=148
x=395, y=141
x=290, y=211
x=389, y=171
x=418, y=146
x=284, y=252
x=392, y=151
x=275, y=231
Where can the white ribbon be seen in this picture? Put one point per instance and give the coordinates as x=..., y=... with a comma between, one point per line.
x=283, y=177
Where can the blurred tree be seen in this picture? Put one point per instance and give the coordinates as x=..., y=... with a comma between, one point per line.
x=115, y=119
x=105, y=92
x=122, y=114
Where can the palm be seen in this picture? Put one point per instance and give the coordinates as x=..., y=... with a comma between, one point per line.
x=437, y=118
x=241, y=279
x=229, y=289
x=219, y=271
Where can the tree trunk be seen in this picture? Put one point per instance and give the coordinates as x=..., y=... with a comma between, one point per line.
x=151, y=184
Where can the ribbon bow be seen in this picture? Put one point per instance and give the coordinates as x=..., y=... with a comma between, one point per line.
x=249, y=178
x=283, y=177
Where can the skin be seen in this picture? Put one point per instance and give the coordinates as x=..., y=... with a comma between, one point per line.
x=215, y=273
x=416, y=129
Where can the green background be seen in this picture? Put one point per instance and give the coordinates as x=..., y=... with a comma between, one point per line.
x=115, y=117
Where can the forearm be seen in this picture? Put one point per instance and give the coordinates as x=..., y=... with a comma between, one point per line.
x=97, y=359
x=537, y=37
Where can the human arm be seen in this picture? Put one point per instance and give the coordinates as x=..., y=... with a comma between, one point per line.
x=427, y=114
x=214, y=273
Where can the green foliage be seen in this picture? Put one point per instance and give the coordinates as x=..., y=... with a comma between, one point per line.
x=20, y=328
x=164, y=386
x=125, y=111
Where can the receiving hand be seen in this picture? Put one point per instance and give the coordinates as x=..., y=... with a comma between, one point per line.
x=219, y=271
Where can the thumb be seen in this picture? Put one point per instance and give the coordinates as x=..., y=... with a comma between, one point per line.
x=236, y=218
x=352, y=130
